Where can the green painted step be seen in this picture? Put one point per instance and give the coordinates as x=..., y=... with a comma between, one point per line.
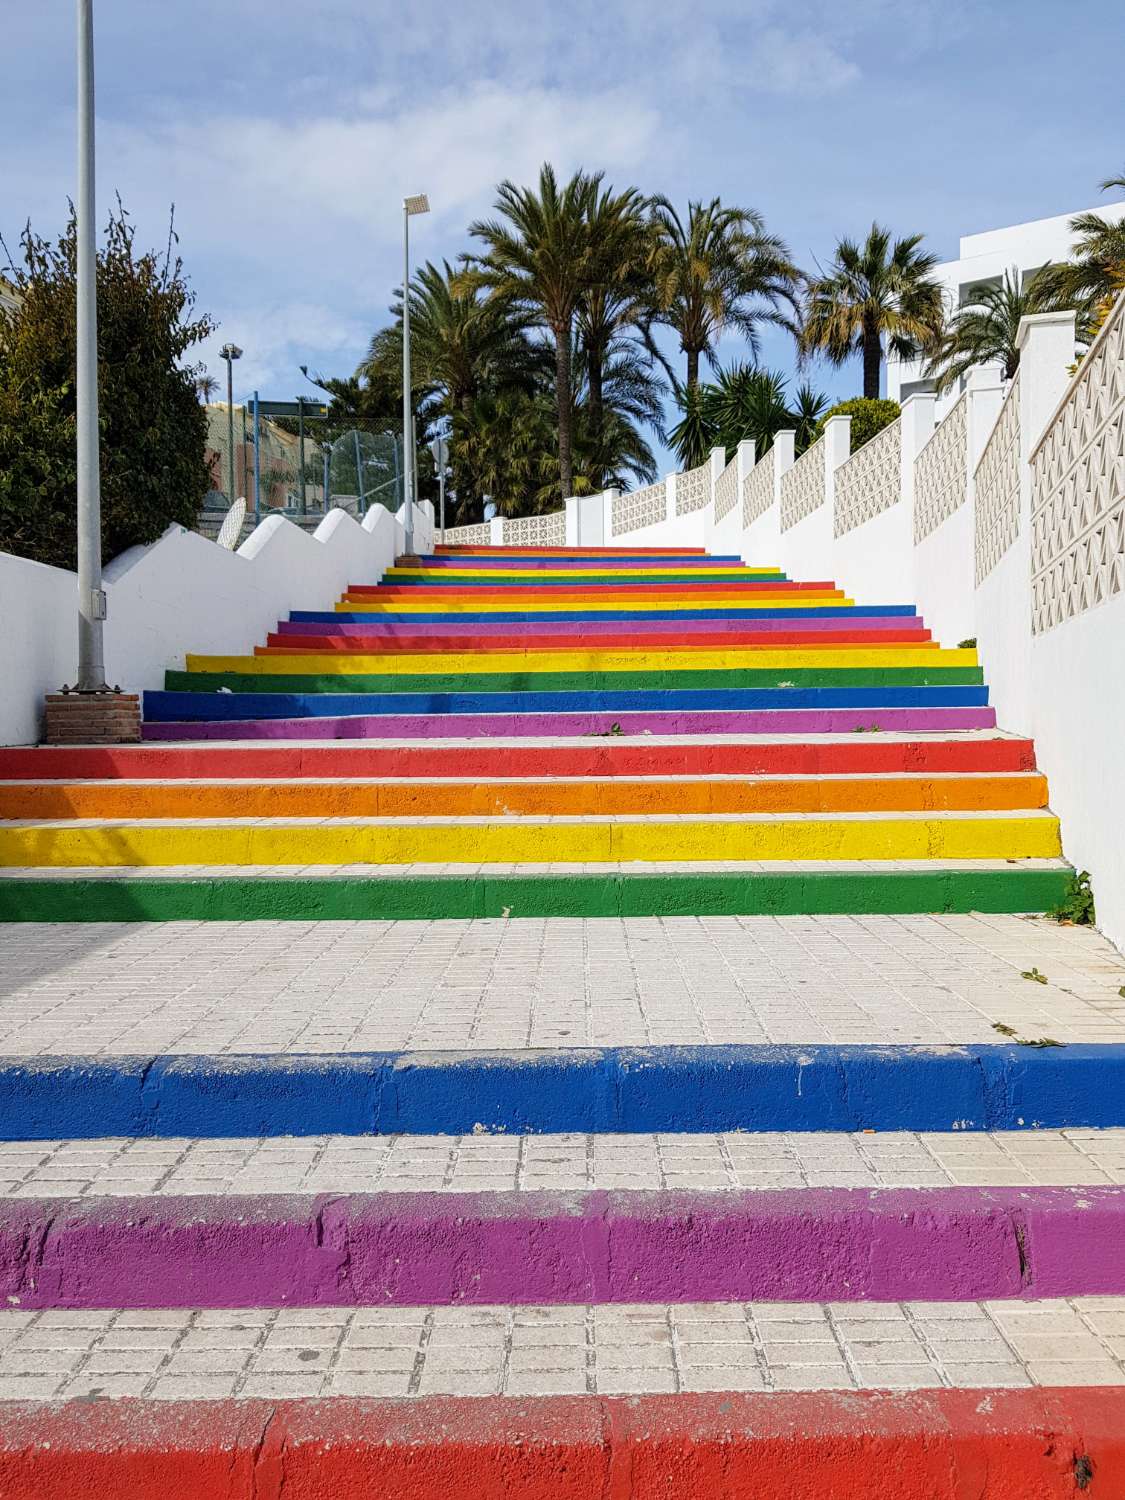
x=500, y=682
x=676, y=893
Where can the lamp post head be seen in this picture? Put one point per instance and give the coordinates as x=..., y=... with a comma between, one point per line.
x=417, y=203
x=230, y=351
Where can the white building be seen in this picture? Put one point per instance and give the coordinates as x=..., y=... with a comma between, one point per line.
x=983, y=260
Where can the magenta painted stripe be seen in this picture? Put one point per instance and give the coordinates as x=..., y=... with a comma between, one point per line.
x=484, y=726
x=410, y=1249
x=667, y=627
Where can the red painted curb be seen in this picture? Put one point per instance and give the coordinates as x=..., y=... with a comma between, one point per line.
x=819, y=1445
x=258, y=762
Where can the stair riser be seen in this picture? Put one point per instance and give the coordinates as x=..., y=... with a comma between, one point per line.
x=359, y=642
x=627, y=1090
x=170, y=720
x=527, y=842
x=435, y=897
x=555, y=1249
x=992, y=1444
x=196, y=695
x=649, y=632
x=610, y=758
x=571, y=620
x=525, y=798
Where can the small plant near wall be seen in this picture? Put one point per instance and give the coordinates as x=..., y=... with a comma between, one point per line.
x=1076, y=909
x=968, y=644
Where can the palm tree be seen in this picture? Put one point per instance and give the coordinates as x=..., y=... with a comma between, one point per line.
x=872, y=292
x=745, y=403
x=985, y=330
x=205, y=386
x=719, y=270
x=616, y=296
x=1095, y=278
x=459, y=341
x=537, y=261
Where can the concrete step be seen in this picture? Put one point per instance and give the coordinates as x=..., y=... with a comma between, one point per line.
x=534, y=1248
x=670, y=838
x=182, y=717
x=994, y=1444
x=307, y=797
x=634, y=890
x=886, y=754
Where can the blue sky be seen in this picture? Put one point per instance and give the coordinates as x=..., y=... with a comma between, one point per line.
x=287, y=134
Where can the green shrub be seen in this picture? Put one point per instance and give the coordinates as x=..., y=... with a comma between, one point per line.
x=868, y=418
x=153, y=429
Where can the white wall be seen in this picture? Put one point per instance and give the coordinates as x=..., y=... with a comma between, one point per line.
x=1078, y=720
x=183, y=593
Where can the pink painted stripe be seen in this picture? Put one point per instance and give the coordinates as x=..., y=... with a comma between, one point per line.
x=416, y=1249
x=486, y=726
x=670, y=626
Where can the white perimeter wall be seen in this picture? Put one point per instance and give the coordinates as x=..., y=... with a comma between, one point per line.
x=183, y=593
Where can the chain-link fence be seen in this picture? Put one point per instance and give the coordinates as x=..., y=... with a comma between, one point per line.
x=299, y=466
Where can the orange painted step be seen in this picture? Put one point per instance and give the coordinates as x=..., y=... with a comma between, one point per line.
x=389, y=799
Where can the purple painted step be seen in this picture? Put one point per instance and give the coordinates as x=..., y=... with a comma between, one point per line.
x=411, y=1249
x=486, y=726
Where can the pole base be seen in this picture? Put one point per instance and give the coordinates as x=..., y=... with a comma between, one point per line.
x=107, y=718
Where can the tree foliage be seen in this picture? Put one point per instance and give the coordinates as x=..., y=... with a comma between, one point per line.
x=745, y=403
x=717, y=270
x=873, y=293
x=153, y=428
x=868, y=418
x=985, y=330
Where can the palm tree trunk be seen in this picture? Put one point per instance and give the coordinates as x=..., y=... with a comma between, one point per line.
x=872, y=359
x=692, y=368
x=594, y=357
x=565, y=411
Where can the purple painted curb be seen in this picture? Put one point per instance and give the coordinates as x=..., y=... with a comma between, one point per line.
x=411, y=1249
x=671, y=626
x=485, y=726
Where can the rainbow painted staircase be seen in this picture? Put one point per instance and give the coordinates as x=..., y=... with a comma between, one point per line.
x=537, y=731
x=802, y=1200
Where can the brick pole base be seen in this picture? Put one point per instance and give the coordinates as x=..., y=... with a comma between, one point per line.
x=93, y=719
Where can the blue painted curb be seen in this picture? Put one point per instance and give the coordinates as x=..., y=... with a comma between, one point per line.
x=351, y=617
x=171, y=707
x=630, y=1089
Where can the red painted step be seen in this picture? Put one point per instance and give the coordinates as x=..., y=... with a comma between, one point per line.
x=593, y=757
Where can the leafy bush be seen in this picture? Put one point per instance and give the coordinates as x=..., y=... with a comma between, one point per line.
x=153, y=429
x=868, y=418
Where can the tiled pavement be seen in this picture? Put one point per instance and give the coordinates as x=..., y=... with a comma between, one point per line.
x=215, y=987
x=560, y=1350
x=357, y=1164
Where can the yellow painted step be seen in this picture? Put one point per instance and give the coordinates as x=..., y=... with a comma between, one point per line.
x=1030, y=835
x=545, y=604
x=316, y=663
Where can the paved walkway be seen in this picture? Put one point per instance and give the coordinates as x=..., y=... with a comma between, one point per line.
x=216, y=987
x=524, y=1351
x=494, y=1164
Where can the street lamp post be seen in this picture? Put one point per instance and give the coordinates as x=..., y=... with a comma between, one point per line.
x=230, y=352
x=326, y=449
x=91, y=597
x=440, y=449
x=418, y=203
